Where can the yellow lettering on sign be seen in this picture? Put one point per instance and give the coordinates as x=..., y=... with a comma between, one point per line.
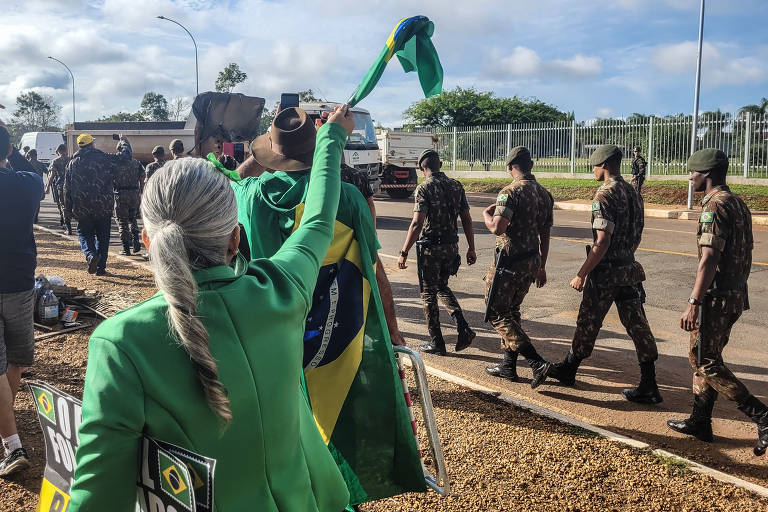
x=52, y=499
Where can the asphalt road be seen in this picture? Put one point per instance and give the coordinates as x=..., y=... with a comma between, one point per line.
x=549, y=314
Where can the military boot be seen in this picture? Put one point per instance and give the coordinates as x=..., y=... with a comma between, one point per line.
x=507, y=368
x=136, y=246
x=126, y=250
x=436, y=344
x=699, y=425
x=758, y=412
x=648, y=391
x=564, y=371
x=537, y=363
x=466, y=335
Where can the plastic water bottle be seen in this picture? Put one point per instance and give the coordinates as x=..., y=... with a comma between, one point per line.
x=48, y=308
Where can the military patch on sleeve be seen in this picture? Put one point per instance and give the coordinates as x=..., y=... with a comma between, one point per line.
x=595, y=206
x=502, y=198
x=707, y=217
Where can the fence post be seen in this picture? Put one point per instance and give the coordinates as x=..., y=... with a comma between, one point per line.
x=747, y=136
x=509, y=139
x=454, y=149
x=650, y=145
x=573, y=146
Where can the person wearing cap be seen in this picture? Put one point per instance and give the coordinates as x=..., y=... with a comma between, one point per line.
x=521, y=219
x=638, y=169
x=611, y=275
x=177, y=148
x=158, y=153
x=126, y=184
x=719, y=297
x=439, y=201
x=89, y=198
x=56, y=171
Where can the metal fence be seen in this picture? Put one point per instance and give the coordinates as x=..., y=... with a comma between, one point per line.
x=565, y=147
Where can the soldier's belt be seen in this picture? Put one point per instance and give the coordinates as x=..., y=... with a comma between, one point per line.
x=623, y=262
x=439, y=240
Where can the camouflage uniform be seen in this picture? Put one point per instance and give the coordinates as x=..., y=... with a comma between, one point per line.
x=127, y=187
x=152, y=169
x=441, y=199
x=638, y=172
x=618, y=209
x=726, y=225
x=528, y=207
x=57, y=169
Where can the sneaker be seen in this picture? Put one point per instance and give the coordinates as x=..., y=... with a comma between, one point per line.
x=93, y=262
x=17, y=461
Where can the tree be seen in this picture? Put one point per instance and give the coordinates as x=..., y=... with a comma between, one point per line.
x=36, y=112
x=468, y=107
x=756, y=110
x=122, y=117
x=266, y=119
x=179, y=109
x=229, y=77
x=154, y=107
x=308, y=96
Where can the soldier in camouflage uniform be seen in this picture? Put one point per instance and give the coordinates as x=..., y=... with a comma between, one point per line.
x=718, y=298
x=88, y=198
x=126, y=184
x=638, y=169
x=610, y=275
x=439, y=200
x=56, y=172
x=158, y=153
x=521, y=218
x=177, y=149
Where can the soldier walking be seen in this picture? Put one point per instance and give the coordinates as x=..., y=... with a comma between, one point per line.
x=718, y=298
x=177, y=149
x=56, y=172
x=158, y=153
x=126, y=185
x=439, y=201
x=638, y=169
x=611, y=274
x=521, y=219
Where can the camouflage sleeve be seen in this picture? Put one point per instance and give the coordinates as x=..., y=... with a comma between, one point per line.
x=603, y=215
x=506, y=202
x=546, y=215
x=463, y=203
x=421, y=203
x=642, y=164
x=713, y=227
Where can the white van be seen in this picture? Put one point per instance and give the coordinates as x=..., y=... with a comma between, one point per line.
x=44, y=142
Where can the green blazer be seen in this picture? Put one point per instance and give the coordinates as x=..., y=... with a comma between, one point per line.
x=139, y=382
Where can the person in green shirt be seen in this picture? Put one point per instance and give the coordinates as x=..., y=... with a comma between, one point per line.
x=212, y=363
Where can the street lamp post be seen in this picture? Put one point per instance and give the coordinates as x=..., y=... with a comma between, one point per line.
x=197, y=80
x=73, y=87
x=695, y=124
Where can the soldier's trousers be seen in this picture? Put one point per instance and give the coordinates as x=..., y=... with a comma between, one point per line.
x=504, y=311
x=598, y=296
x=436, y=262
x=126, y=213
x=637, y=182
x=713, y=375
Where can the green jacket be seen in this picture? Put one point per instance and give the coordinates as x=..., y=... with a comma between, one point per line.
x=139, y=382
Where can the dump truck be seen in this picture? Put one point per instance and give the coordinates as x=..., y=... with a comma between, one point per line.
x=399, y=159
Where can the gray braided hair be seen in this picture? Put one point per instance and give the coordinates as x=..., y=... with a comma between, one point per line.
x=189, y=212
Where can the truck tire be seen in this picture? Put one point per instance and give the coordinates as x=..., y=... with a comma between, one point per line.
x=399, y=193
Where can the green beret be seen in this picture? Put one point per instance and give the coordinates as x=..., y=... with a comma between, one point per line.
x=427, y=153
x=158, y=150
x=603, y=153
x=709, y=159
x=176, y=145
x=520, y=156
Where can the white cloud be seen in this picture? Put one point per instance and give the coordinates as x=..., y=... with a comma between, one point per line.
x=604, y=112
x=722, y=64
x=526, y=63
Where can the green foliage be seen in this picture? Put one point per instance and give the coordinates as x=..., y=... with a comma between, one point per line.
x=468, y=107
x=154, y=107
x=121, y=117
x=36, y=112
x=308, y=96
x=229, y=77
x=266, y=119
x=756, y=110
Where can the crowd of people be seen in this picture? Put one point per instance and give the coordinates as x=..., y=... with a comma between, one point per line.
x=237, y=280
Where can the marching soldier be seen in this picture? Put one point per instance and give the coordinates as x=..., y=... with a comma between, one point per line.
x=439, y=200
x=158, y=153
x=521, y=219
x=56, y=172
x=177, y=148
x=638, y=169
x=611, y=274
x=126, y=184
x=718, y=298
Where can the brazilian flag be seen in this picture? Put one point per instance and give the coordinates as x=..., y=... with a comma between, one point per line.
x=350, y=373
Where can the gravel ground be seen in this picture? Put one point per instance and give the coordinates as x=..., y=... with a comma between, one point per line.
x=499, y=458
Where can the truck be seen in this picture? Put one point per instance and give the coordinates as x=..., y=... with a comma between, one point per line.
x=399, y=159
x=361, y=150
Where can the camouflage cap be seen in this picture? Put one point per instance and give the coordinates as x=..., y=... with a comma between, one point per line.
x=603, y=153
x=427, y=153
x=520, y=156
x=176, y=146
x=158, y=150
x=710, y=159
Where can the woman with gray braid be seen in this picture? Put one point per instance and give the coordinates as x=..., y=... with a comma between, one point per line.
x=212, y=362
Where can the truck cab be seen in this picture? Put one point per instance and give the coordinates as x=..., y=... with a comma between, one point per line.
x=361, y=150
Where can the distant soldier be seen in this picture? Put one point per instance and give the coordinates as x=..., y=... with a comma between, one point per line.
x=39, y=168
x=638, y=169
x=521, y=219
x=177, y=148
x=610, y=275
x=56, y=172
x=439, y=201
x=718, y=298
x=158, y=153
x=126, y=184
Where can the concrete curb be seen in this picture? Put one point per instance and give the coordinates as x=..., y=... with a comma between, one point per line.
x=655, y=213
x=612, y=436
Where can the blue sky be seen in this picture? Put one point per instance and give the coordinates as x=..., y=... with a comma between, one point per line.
x=594, y=57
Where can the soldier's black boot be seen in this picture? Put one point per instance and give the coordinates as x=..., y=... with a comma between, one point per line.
x=126, y=250
x=466, y=335
x=437, y=343
x=564, y=371
x=507, y=368
x=758, y=412
x=136, y=246
x=699, y=425
x=539, y=366
x=648, y=391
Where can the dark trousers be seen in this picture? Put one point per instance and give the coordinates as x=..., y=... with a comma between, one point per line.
x=93, y=233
